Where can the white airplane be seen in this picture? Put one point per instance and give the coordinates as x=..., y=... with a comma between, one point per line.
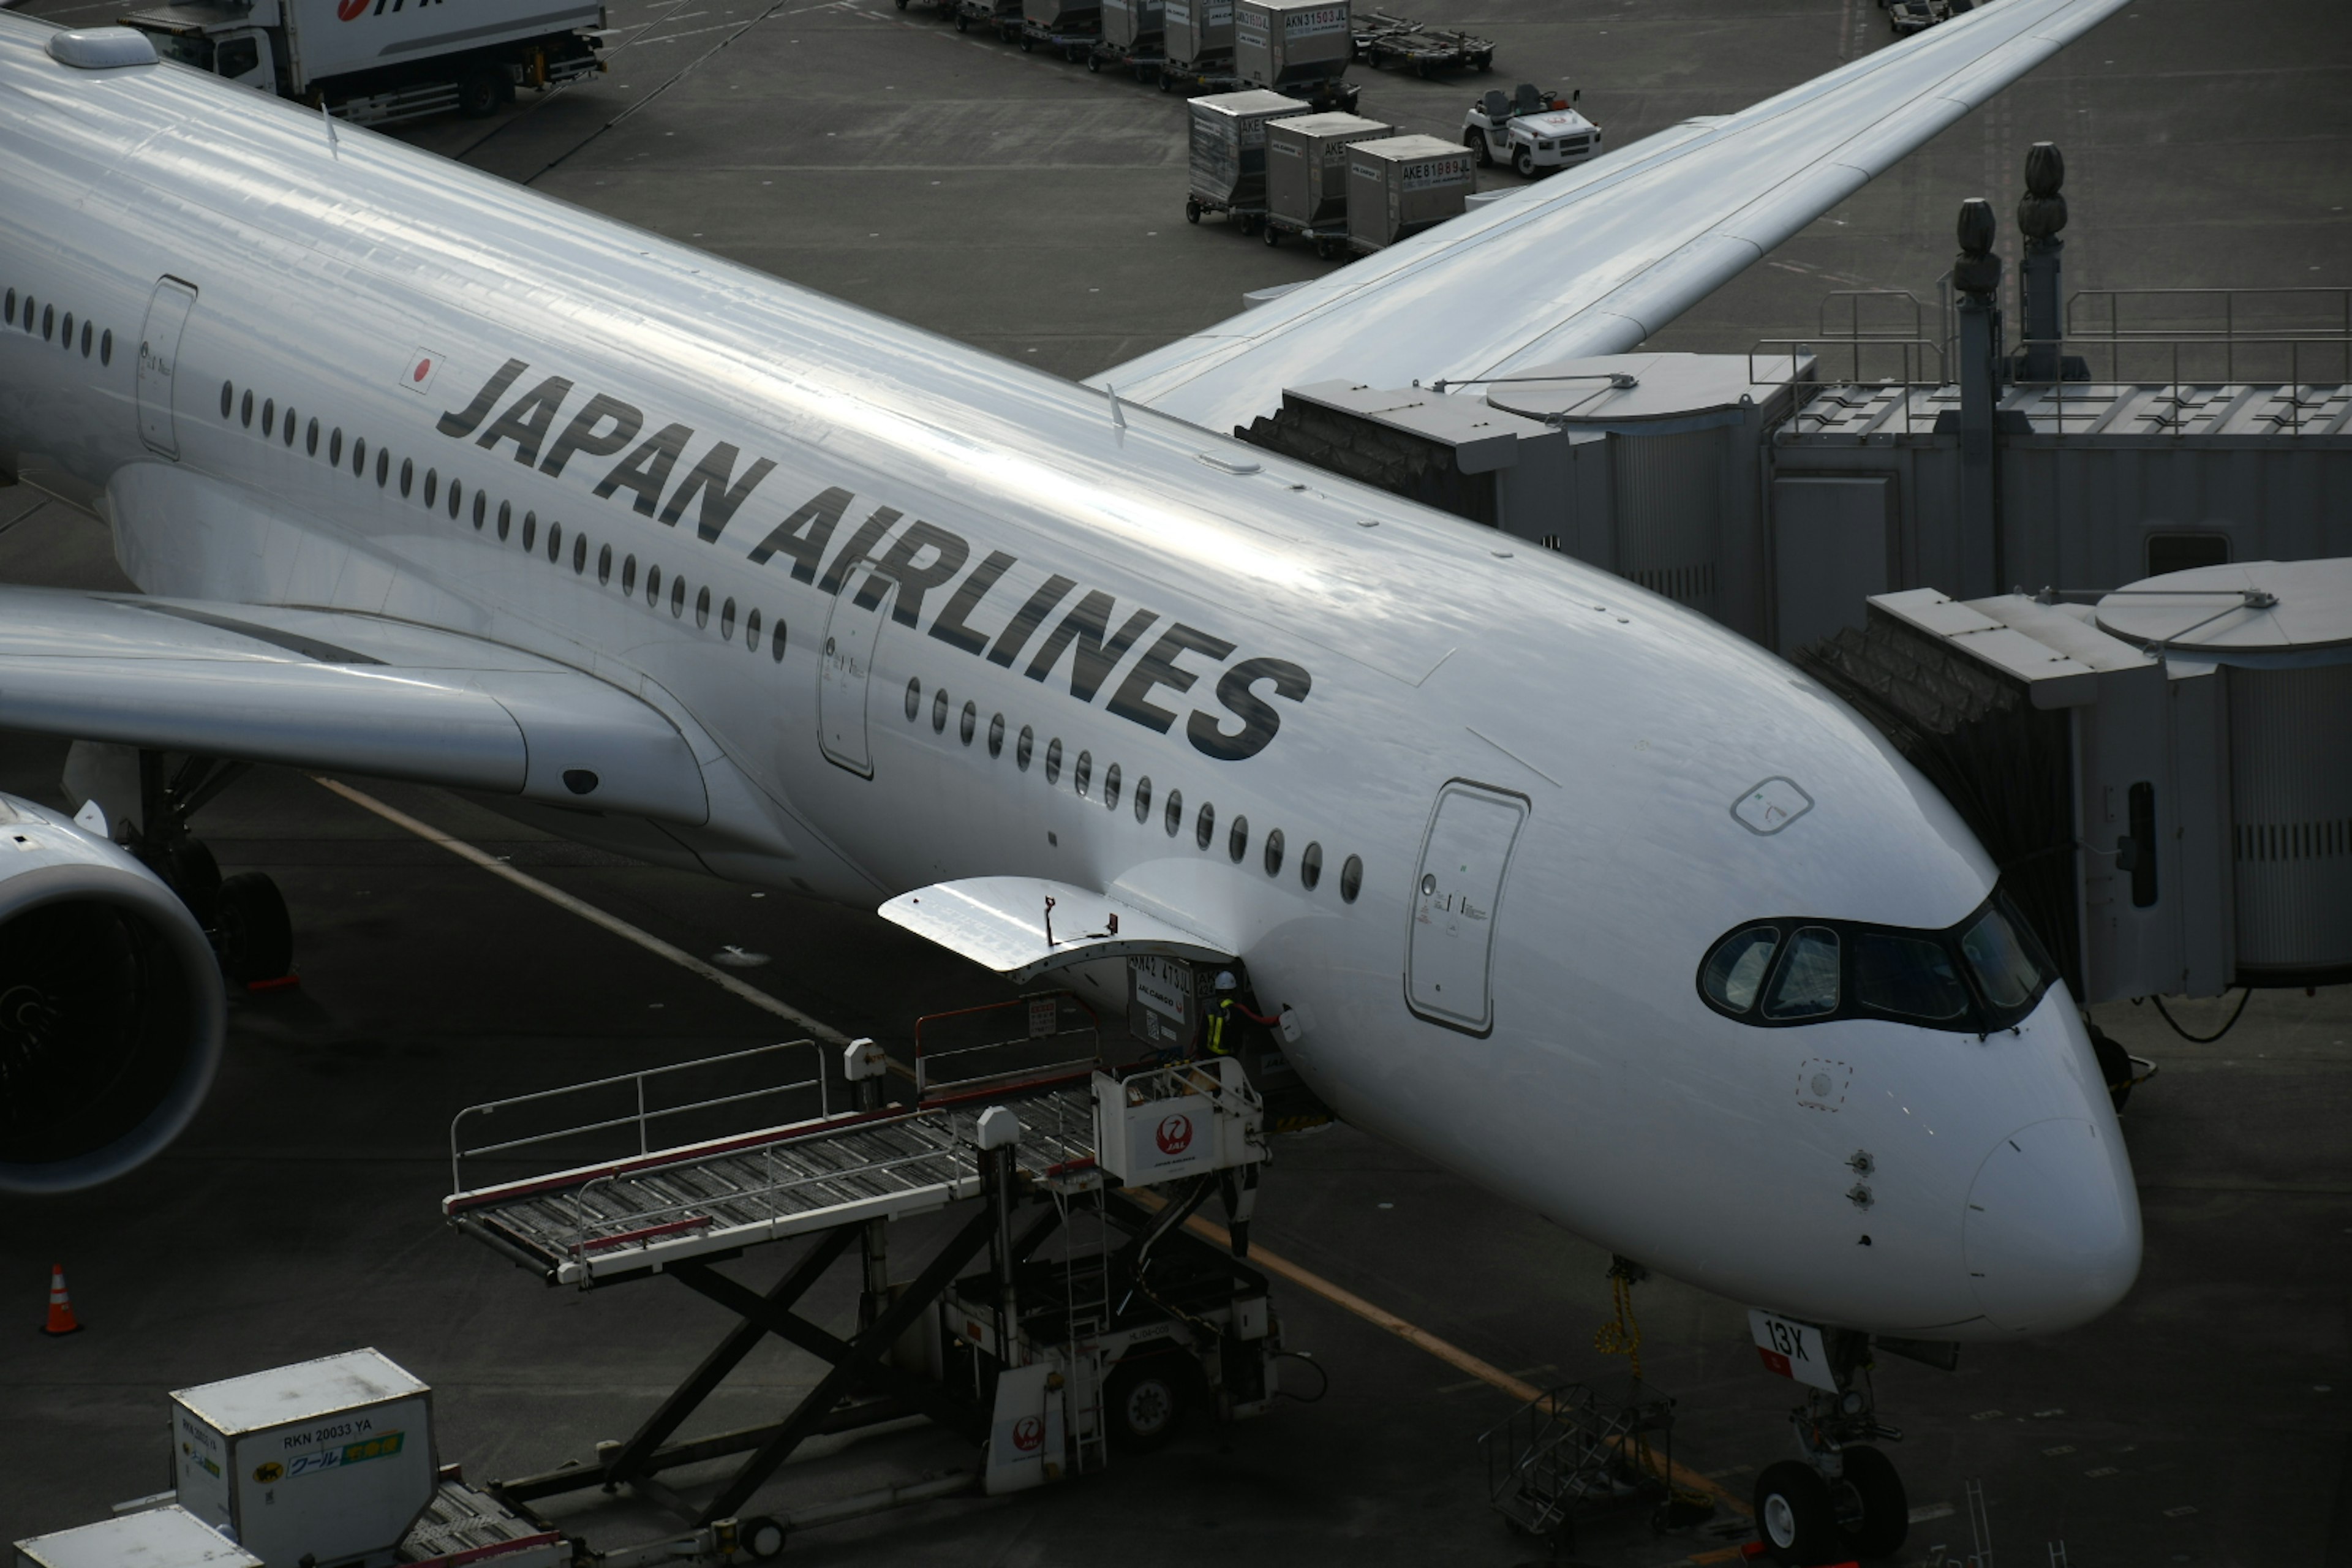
x=424, y=476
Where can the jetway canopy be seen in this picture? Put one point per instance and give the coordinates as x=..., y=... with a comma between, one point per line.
x=1023, y=927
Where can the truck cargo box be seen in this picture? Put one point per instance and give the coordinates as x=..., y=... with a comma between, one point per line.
x=324, y=44
x=1228, y=142
x=1200, y=31
x=1401, y=186
x=329, y=1459
x=1279, y=43
x=1307, y=164
x=1134, y=25
x=1063, y=16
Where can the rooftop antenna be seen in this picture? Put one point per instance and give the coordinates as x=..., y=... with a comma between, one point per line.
x=334, y=143
x=1117, y=415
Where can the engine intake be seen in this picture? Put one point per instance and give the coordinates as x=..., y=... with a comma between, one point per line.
x=111, y=1015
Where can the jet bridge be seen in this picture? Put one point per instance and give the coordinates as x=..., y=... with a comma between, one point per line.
x=1064, y=1319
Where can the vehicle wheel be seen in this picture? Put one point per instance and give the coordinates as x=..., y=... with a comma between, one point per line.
x=1524, y=161
x=256, y=935
x=1476, y=142
x=963, y=22
x=1323, y=250
x=1872, y=1505
x=1192, y=212
x=763, y=1537
x=1094, y=61
x=1421, y=69
x=478, y=94
x=1273, y=235
x=1145, y=1400
x=1028, y=44
x=195, y=876
x=1794, y=1515
x=1483, y=62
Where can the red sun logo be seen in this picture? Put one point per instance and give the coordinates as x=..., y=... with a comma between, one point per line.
x=348, y=10
x=1029, y=1434
x=1175, y=1134
x=424, y=368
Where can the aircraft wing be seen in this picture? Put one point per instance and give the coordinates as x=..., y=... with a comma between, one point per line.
x=1593, y=260
x=325, y=688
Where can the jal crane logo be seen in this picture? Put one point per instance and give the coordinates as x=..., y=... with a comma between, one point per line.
x=1029, y=1434
x=1175, y=1134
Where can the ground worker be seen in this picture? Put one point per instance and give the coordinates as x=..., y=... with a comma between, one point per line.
x=1227, y=1013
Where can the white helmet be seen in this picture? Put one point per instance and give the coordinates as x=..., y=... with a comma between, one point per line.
x=1225, y=981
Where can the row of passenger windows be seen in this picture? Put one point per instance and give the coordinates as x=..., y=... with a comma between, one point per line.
x=1272, y=850
x=287, y=426
x=43, y=319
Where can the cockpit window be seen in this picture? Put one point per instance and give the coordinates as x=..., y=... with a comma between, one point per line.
x=1806, y=985
x=1908, y=977
x=1986, y=973
x=2004, y=968
x=1735, y=969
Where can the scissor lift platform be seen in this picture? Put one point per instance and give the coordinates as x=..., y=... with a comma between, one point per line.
x=622, y=1218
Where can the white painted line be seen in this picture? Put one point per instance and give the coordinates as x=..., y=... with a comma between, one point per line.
x=586, y=910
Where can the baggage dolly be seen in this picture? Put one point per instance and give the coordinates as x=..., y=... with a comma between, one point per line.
x=1196, y=76
x=1146, y=65
x=987, y=13
x=1382, y=40
x=1071, y=47
x=1249, y=220
x=1329, y=241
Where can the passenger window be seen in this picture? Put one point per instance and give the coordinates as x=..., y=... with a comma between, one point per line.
x=457, y=499
x=1274, y=852
x=310, y=440
x=1143, y=798
x=245, y=410
x=530, y=530
x=1807, y=983
x=1352, y=879
x=1735, y=971
x=106, y=346
x=653, y=586
x=335, y=448
x=1021, y=748
x=288, y=430
x=359, y=455
x=382, y=467
x=1205, y=828
x=228, y=390
x=49, y=323
x=751, y=631
x=1084, y=770
x=970, y=726
x=580, y=554
x=85, y=340
x=66, y=342
x=702, y=609
x=676, y=597
x=432, y=485
x=1311, y=865
x=628, y=567
x=2005, y=970
x=1173, y=818
x=1908, y=977
x=914, y=698
x=604, y=576
x=407, y=476
x=1054, y=760
x=726, y=621
x=269, y=415
x=996, y=736
x=1110, y=787
x=482, y=509
x=776, y=644
x=11, y=315
x=938, y=712
x=1237, y=841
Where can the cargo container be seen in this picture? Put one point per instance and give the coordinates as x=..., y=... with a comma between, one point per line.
x=1290, y=44
x=325, y=1460
x=1306, y=169
x=1134, y=26
x=1228, y=156
x=1062, y=19
x=376, y=65
x=165, y=1537
x=1402, y=184
x=1200, y=34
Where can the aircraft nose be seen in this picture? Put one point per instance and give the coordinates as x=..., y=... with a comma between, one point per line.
x=2052, y=1230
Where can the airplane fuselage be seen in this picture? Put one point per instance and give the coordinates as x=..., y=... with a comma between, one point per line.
x=1008, y=627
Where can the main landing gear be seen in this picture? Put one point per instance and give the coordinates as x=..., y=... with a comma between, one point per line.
x=244, y=915
x=1842, y=1499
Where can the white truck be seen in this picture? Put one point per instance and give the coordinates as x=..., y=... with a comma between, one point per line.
x=377, y=61
x=1533, y=131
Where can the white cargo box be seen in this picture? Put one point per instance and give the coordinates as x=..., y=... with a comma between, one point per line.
x=1228, y=145
x=1135, y=25
x=166, y=1537
x=1285, y=43
x=1401, y=186
x=328, y=1459
x=1199, y=31
x=1178, y=1121
x=330, y=38
x=1307, y=164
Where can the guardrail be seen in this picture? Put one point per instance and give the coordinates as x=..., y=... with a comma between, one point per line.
x=642, y=1118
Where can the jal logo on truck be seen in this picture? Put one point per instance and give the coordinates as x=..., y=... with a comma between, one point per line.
x=353, y=10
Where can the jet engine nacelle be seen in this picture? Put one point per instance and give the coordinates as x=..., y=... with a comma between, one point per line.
x=111, y=1013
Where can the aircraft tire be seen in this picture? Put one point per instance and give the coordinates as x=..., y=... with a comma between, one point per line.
x=256, y=934
x=1880, y=1514
x=195, y=876
x=1795, y=1517
x=763, y=1537
x=1144, y=1399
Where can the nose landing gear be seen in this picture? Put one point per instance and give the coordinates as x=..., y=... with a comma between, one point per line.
x=1844, y=1499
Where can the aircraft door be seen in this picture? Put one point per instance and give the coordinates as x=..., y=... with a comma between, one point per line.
x=1449, y=955
x=159, y=355
x=846, y=667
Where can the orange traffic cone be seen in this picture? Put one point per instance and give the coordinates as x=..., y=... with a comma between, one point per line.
x=61, y=1313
